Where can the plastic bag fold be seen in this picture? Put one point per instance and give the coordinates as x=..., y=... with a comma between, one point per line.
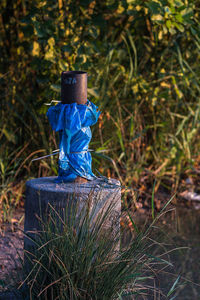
x=73, y=122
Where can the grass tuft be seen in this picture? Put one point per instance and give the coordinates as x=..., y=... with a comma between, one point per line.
x=76, y=257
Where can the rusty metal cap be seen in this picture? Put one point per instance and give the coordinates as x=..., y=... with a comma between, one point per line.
x=74, y=87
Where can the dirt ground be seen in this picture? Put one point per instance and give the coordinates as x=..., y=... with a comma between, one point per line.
x=11, y=250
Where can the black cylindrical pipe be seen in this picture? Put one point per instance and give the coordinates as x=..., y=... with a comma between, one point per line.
x=74, y=87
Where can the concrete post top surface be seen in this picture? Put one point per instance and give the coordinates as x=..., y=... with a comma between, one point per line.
x=50, y=185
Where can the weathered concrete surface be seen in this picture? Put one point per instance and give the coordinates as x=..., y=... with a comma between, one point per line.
x=41, y=191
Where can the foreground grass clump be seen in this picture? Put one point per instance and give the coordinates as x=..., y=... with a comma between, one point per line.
x=76, y=258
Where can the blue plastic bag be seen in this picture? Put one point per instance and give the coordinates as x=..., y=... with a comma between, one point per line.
x=73, y=122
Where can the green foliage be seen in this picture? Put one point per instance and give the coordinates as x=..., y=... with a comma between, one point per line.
x=142, y=58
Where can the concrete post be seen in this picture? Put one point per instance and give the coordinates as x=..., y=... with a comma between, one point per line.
x=41, y=191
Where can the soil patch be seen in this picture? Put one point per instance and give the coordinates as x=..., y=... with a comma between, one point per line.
x=11, y=250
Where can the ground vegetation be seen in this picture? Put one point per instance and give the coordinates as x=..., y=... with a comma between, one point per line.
x=142, y=58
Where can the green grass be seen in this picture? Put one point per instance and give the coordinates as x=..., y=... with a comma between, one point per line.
x=142, y=75
x=76, y=258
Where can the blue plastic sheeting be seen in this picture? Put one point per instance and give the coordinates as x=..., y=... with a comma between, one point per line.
x=73, y=122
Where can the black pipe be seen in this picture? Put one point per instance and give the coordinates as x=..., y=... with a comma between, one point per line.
x=74, y=87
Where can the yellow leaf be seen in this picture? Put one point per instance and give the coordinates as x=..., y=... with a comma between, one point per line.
x=160, y=35
x=138, y=7
x=36, y=49
x=51, y=42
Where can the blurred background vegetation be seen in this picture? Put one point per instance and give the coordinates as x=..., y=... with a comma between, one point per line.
x=142, y=58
